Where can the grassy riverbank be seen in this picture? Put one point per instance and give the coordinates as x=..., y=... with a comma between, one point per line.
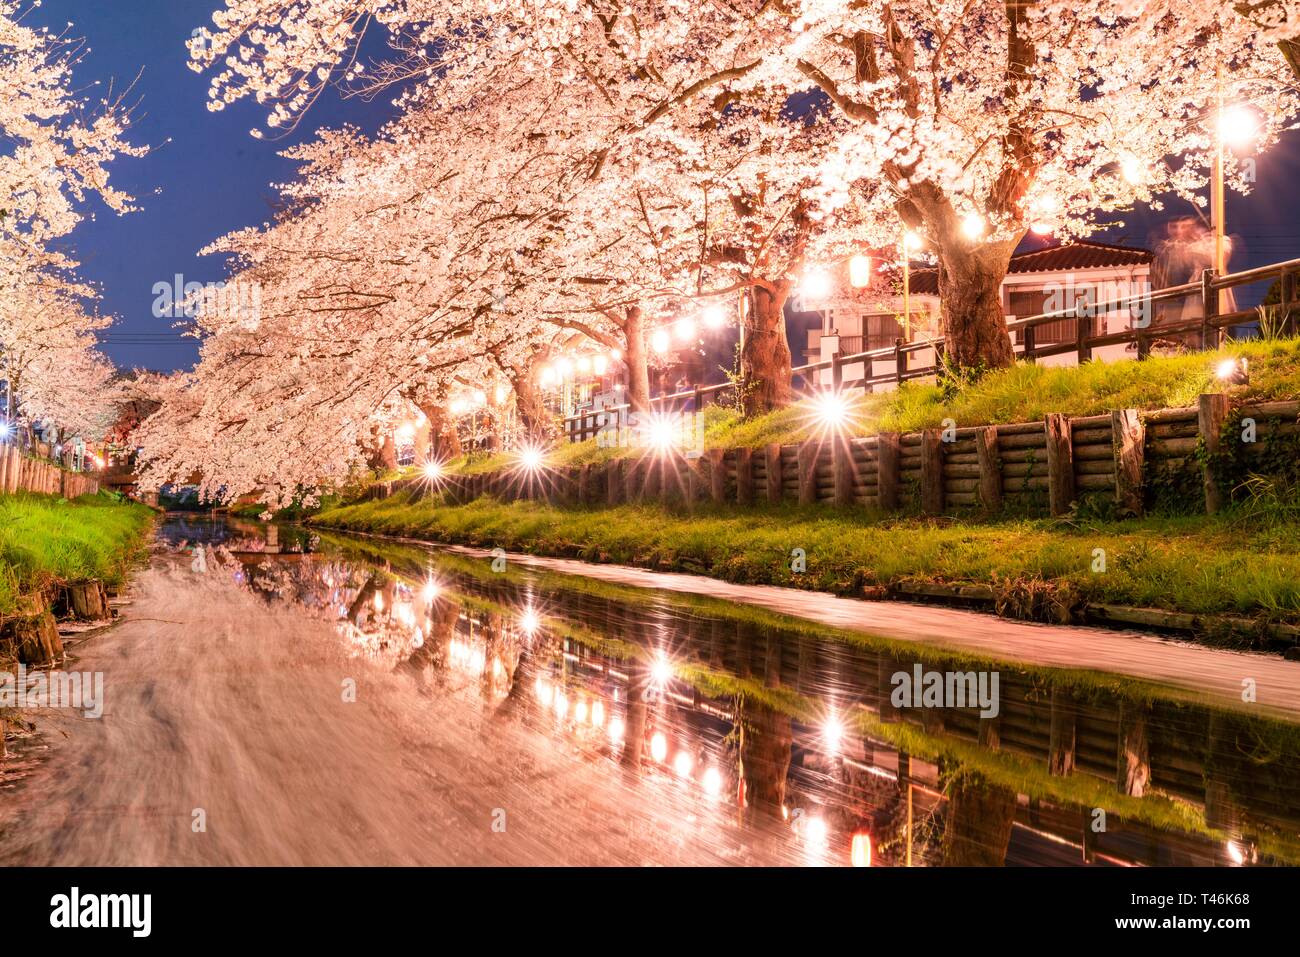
x=1239, y=564
x=44, y=539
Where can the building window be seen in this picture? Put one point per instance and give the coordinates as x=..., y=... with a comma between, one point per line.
x=1034, y=302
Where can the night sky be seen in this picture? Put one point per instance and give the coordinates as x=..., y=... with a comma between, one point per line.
x=213, y=177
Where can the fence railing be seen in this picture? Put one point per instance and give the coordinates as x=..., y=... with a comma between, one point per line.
x=1205, y=329
x=22, y=473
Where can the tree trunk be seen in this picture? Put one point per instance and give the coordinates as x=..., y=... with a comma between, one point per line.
x=533, y=417
x=970, y=293
x=765, y=360
x=638, y=366
x=978, y=829
x=445, y=438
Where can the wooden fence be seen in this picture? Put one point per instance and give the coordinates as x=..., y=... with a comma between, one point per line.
x=21, y=473
x=908, y=361
x=1032, y=467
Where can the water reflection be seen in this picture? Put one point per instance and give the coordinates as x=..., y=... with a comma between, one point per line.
x=794, y=731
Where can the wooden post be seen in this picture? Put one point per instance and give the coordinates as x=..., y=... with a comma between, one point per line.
x=986, y=448
x=1028, y=352
x=1061, y=733
x=1209, y=309
x=808, y=452
x=775, y=477
x=843, y=466
x=887, y=466
x=1211, y=413
x=1060, y=462
x=1133, y=762
x=584, y=484
x=744, y=477
x=632, y=470
x=717, y=475
x=652, y=483
x=614, y=481
x=1128, y=436
x=1083, y=330
x=932, y=472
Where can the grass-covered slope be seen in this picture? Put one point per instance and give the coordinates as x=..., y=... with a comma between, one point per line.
x=45, y=539
x=1242, y=564
x=1023, y=393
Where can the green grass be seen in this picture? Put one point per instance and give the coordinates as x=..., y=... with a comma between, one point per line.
x=1023, y=393
x=1236, y=564
x=44, y=539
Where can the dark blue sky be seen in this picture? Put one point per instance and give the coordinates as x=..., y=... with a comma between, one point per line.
x=213, y=177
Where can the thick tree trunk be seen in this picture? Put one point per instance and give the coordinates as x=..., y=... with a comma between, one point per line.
x=765, y=360
x=533, y=417
x=970, y=292
x=638, y=366
x=445, y=439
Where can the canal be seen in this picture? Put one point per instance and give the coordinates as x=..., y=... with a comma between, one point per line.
x=293, y=696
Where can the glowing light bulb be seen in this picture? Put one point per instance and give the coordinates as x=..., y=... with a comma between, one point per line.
x=715, y=317
x=531, y=458
x=972, y=227
x=685, y=329
x=599, y=364
x=860, y=271
x=1131, y=169
x=433, y=471
x=912, y=241
x=659, y=341
x=1238, y=125
x=816, y=285
x=832, y=409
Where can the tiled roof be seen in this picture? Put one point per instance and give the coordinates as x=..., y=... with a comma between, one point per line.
x=1064, y=258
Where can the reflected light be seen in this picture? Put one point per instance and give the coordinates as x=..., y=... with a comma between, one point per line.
x=580, y=712
x=597, y=714
x=544, y=692
x=683, y=763
x=529, y=621
x=661, y=671
x=833, y=734
x=659, y=747
x=1236, y=854
x=616, y=730
x=561, y=705
x=815, y=830
x=860, y=855
x=430, y=591
x=712, y=782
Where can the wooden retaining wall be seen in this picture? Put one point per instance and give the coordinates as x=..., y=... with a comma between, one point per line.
x=1040, y=467
x=19, y=473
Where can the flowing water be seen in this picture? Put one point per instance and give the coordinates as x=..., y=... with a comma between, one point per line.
x=298, y=697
